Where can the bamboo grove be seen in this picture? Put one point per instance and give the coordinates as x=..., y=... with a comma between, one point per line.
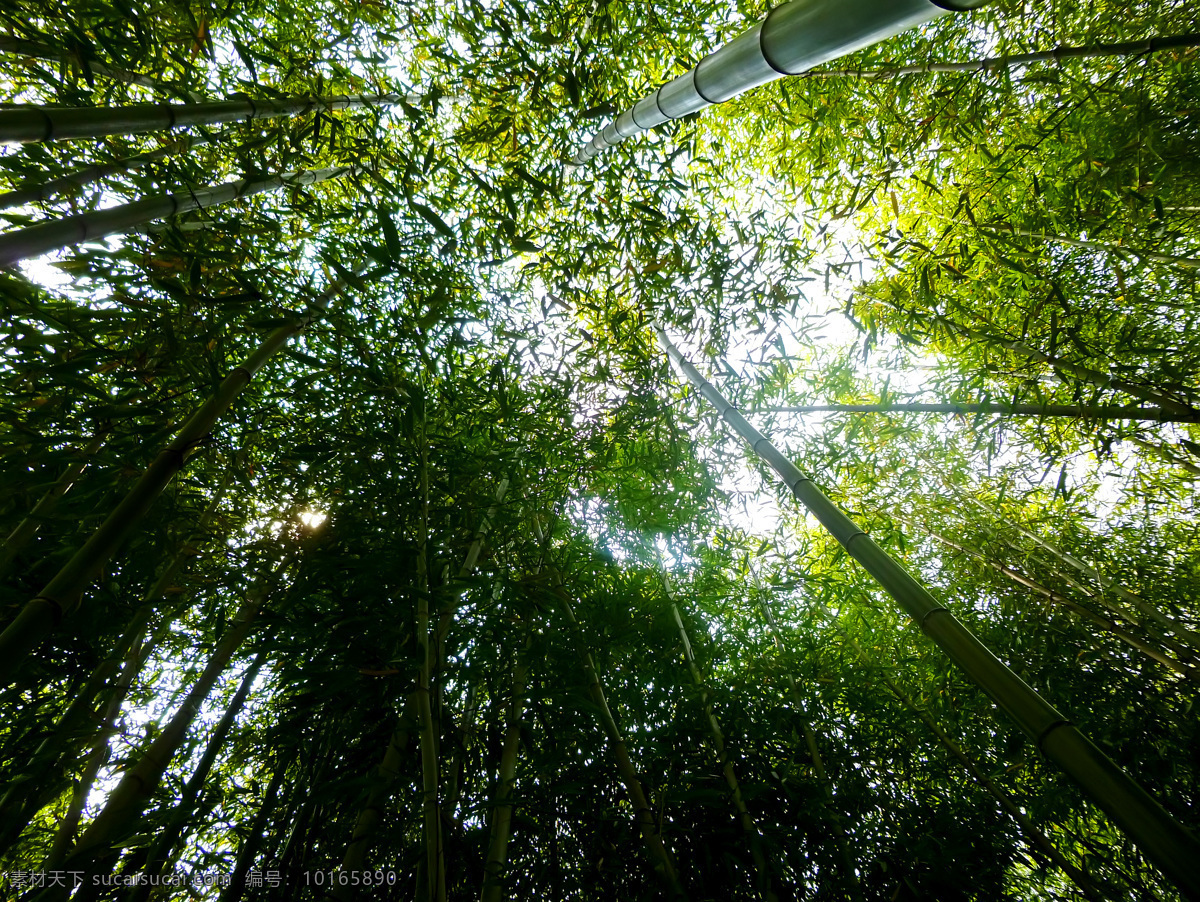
x=376, y=518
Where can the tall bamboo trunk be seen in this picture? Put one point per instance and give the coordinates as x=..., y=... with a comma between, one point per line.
x=995, y=63
x=660, y=859
x=24, y=531
x=497, y=854
x=1039, y=843
x=741, y=812
x=850, y=875
x=31, y=193
x=1074, y=411
x=63, y=594
x=434, y=889
x=71, y=230
x=1161, y=838
x=185, y=809
x=102, y=840
x=38, y=123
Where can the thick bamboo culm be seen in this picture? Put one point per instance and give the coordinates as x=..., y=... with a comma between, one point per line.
x=64, y=593
x=1076, y=411
x=1162, y=839
x=23, y=124
x=790, y=40
x=70, y=230
x=31, y=192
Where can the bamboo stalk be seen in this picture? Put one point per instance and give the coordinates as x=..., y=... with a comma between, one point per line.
x=1076, y=411
x=30, y=193
x=248, y=850
x=647, y=823
x=995, y=63
x=1038, y=841
x=791, y=39
x=54, y=234
x=1104, y=247
x=34, y=50
x=1161, y=838
x=42, y=123
x=63, y=594
x=24, y=531
x=744, y=818
x=184, y=810
x=497, y=854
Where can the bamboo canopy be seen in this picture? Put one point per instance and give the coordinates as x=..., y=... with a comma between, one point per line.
x=790, y=40
x=1161, y=838
x=58, y=233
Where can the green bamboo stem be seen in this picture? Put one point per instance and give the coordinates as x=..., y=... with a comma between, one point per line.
x=651, y=835
x=1038, y=840
x=104, y=837
x=996, y=63
x=24, y=531
x=854, y=887
x=1161, y=838
x=743, y=816
x=32, y=193
x=63, y=594
x=1075, y=411
x=1058, y=598
x=248, y=850
x=68, y=231
x=1103, y=247
x=34, y=50
x=434, y=888
x=40, y=123
x=185, y=809
x=1165, y=454
x=64, y=837
x=497, y=854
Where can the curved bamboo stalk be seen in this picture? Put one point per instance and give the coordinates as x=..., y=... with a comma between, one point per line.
x=995, y=63
x=792, y=39
x=34, y=50
x=54, y=234
x=1076, y=411
x=745, y=819
x=31, y=193
x=1038, y=841
x=24, y=531
x=651, y=834
x=24, y=124
x=185, y=809
x=1161, y=838
x=64, y=593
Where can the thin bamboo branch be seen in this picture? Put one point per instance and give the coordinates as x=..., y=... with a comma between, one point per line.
x=54, y=234
x=41, y=123
x=1099, y=246
x=1076, y=411
x=24, y=531
x=1161, y=838
x=31, y=193
x=34, y=50
x=64, y=593
x=995, y=63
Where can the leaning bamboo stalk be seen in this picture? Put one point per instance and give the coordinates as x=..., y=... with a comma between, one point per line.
x=38, y=123
x=185, y=809
x=744, y=818
x=1104, y=247
x=24, y=531
x=55, y=234
x=1033, y=835
x=248, y=850
x=31, y=193
x=996, y=63
x=793, y=38
x=63, y=594
x=34, y=50
x=1146, y=648
x=434, y=889
x=1163, y=840
x=102, y=838
x=651, y=834
x=1075, y=411
x=497, y=854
